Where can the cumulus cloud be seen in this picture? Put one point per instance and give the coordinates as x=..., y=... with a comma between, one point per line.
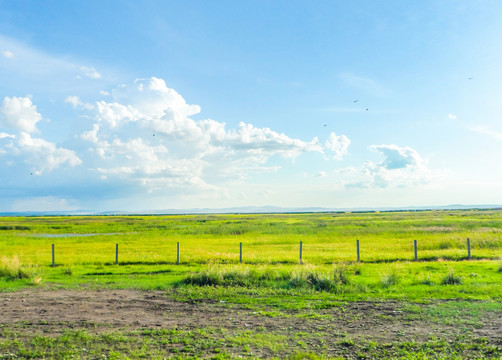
x=43, y=155
x=401, y=167
x=90, y=72
x=144, y=133
x=19, y=113
x=8, y=54
x=398, y=157
x=40, y=155
x=338, y=144
x=451, y=116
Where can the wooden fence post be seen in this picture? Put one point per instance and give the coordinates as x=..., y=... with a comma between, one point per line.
x=415, y=246
x=357, y=246
x=178, y=254
x=53, y=263
x=468, y=249
x=116, y=254
x=301, y=252
x=240, y=253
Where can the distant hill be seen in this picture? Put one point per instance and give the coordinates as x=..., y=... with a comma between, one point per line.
x=250, y=210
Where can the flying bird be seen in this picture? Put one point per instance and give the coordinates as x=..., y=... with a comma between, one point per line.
x=355, y=101
x=470, y=78
x=325, y=125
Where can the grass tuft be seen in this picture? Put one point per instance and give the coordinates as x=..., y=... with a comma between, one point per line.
x=341, y=274
x=451, y=278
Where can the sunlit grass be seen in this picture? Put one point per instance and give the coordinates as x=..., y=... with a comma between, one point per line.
x=266, y=239
x=209, y=246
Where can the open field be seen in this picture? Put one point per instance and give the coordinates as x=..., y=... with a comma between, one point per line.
x=210, y=306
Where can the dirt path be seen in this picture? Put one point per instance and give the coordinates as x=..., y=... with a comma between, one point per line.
x=54, y=311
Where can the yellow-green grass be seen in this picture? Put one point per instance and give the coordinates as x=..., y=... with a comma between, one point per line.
x=147, y=249
x=266, y=238
x=270, y=283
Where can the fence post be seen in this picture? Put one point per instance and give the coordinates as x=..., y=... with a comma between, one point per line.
x=240, y=253
x=357, y=246
x=301, y=252
x=53, y=264
x=178, y=253
x=116, y=254
x=415, y=246
x=468, y=249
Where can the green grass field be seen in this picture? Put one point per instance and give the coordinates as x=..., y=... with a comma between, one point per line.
x=270, y=282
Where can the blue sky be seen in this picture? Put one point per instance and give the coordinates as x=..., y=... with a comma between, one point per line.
x=127, y=105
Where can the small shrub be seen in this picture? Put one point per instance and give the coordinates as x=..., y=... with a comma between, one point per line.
x=451, y=279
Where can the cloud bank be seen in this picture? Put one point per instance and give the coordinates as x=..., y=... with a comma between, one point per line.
x=142, y=137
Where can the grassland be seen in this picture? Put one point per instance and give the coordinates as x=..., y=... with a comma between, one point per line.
x=455, y=303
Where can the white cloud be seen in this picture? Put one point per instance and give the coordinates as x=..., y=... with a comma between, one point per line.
x=76, y=102
x=145, y=134
x=20, y=114
x=5, y=135
x=8, y=54
x=487, y=131
x=338, y=144
x=73, y=100
x=41, y=155
x=152, y=98
x=401, y=167
x=264, y=141
x=91, y=135
x=398, y=157
x=90, y=72
x=451, y=116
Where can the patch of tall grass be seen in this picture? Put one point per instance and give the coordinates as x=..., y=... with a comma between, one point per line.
x=12, y=269
x=451, y=278
x=307, y=277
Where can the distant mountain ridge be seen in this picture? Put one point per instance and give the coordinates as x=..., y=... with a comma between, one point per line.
x=250, y=210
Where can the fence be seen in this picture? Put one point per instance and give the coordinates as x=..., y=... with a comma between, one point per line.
x=300, y=258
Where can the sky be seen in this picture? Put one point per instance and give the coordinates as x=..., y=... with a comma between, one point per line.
x=151, y=105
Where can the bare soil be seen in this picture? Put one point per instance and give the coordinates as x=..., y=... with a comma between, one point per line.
x=137, y=309
x=39, y=310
